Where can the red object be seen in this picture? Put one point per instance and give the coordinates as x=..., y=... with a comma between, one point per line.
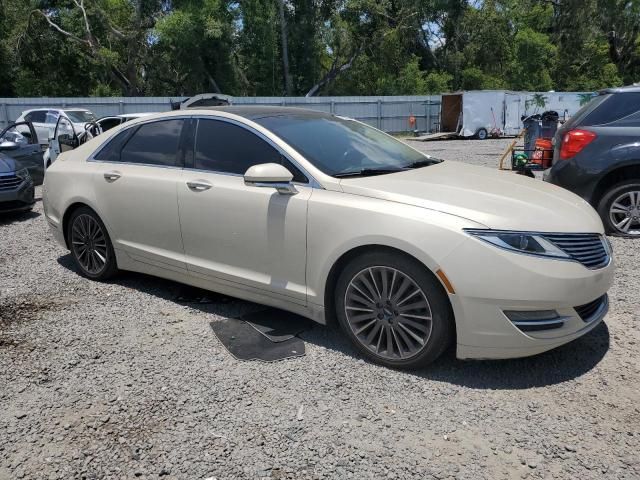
x=574, y=141
x=543, y=154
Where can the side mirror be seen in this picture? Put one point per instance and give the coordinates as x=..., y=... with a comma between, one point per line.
x=271, y=175
x=6, y=145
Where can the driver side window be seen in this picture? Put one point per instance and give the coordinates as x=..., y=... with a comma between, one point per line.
x=227, y=148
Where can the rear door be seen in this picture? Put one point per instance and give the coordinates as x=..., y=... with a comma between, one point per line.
x=135, y=178
x=20, y=141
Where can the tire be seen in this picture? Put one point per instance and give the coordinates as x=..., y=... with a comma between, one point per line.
x=619, y=203
x=482, y=134
x=358, y=305
x=95, y=258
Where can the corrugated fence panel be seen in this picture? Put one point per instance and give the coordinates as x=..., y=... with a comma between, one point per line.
x=386, y=112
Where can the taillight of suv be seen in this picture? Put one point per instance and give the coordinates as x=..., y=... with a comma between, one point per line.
x=574, y=141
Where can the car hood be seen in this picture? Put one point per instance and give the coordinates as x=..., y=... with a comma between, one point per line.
x=7, y=164
x=496, y=199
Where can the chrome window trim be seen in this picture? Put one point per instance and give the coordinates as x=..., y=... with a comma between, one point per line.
x=313, y=183
x=91, y=158
x=174, y=167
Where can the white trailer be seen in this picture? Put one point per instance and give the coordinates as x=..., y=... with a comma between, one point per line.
x=565, y=103
x=485, y=113
x=481, y=113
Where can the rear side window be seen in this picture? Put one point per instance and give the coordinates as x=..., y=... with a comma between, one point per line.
x=224, y=147
x=38, y=116
x=154, y=143
x=615, y=108
x=111, y=151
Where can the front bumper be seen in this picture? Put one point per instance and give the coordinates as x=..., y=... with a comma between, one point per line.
x=18, y=199
x=506, y=281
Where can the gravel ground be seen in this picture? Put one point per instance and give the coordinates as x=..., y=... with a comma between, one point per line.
x=117, y=380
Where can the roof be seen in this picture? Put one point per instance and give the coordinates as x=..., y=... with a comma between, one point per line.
x=628, y=89
x=254, y=112
x=135, y=115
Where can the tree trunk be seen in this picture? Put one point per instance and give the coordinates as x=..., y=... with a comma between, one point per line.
x=285, y=50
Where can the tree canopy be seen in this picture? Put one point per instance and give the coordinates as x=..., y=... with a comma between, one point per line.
x=314, y=47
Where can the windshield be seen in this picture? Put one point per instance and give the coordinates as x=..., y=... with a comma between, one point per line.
x=80, y=116
x=340, y=147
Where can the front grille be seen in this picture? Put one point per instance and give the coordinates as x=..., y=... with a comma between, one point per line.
x=587, y=248
x=9, y=182
x=588, y=310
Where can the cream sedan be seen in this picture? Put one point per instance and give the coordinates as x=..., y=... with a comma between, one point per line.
x=329, y=218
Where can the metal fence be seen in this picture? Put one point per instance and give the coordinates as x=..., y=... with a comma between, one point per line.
x=387, y=113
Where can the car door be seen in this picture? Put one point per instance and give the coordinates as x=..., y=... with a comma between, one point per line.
x=38, y=118
x=107, y=123
x=64, y=138
x=20, y=141
x=242, y=235
x=135, y=178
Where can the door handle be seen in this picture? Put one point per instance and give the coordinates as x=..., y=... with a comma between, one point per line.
x=199, y=185
x=112, y=176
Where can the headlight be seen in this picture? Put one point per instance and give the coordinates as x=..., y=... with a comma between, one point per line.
x=23, y=174
x=521, y=242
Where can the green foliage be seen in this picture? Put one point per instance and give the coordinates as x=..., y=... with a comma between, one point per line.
x=351, y=47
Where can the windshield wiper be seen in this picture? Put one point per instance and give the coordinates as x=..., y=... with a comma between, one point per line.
x=423, y=163
x=368, y=172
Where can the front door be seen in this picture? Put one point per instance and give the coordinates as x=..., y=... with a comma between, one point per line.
x=20, y=141
x=135, y=177
x=237, y=234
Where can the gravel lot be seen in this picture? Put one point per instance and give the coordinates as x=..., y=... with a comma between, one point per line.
x=117, y=380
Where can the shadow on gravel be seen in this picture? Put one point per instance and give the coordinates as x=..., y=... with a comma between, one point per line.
x=13, y=217
x=556, y=366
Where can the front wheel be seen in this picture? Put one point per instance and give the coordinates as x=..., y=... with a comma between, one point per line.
x=90, y=245
x=393, y=310
x=620, y=209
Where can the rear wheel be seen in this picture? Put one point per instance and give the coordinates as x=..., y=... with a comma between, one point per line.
x=619, y=209
x=482, y=134
x=90, y=245
x=393, y=310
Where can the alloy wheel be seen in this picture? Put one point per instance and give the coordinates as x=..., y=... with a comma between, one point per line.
x=89, y=244
x=388, y=313
x=625, y=213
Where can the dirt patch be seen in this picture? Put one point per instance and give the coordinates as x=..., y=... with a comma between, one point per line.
x=24, y=309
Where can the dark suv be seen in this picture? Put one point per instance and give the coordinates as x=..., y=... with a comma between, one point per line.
x=597, y=156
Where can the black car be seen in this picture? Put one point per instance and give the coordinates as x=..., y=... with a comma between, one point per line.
x=20, y=142
x=16, y=186
x=597, y=156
